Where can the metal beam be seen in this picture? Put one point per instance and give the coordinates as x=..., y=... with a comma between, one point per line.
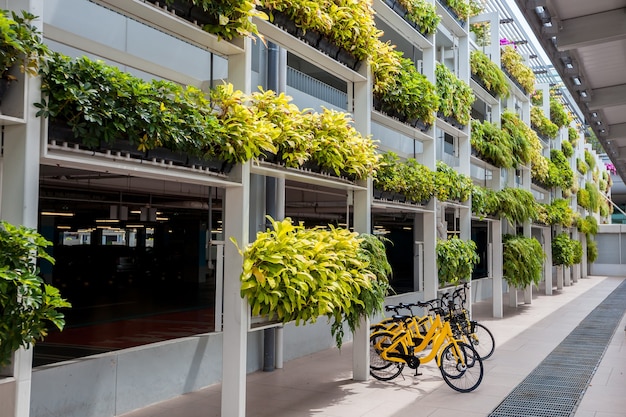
x=592, y=30
x=617, y=131
x=607, y=97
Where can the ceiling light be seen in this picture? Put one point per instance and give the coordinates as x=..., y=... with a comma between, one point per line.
x=57, y=213
x=583, y=94
x=576, y=80
x=594, y=114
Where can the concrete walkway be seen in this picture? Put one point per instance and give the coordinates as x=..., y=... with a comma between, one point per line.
x=321, y=384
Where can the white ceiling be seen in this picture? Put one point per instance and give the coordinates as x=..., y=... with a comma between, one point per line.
x=586, y=42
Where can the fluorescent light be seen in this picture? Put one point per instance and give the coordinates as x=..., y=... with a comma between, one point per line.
x=134, y=226
x=64, y=227
x=107, y=221
x=57, y=213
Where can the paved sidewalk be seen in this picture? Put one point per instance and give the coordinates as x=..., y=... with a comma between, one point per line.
x=321, y=384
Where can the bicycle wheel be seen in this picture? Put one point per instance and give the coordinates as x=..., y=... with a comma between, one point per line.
x=482, y=340
x=380, y=368
x=461, y=368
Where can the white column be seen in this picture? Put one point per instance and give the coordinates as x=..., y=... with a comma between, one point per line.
x=20, y=194
x=496, y=272
x=362, y=201
x=547, y=263
x=236, y=224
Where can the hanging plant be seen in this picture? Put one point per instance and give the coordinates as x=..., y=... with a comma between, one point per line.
x=409, y=178
x=542, y=124
x=515, y=204
x=567, y=149
x=522, y=261
x=588, y=225
x=27, y=304
x=489, y=74
x=20, y=44
x=227, y=19
x=592, y=250
x=456, y=259
x=572, y=135
x=578, y=252
x=522, y=139
x=558, y=212
x=421, y=13
x=492, y=144
x=590, y=160
x=513, y=63
x=291, y=273
x=410, y=96
x=581, y=166
x=451, y=185
x=558, y=114
x=484, y=201
x=562, y=250
x=456, y=96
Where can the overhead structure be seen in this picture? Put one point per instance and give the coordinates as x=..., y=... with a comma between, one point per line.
x=586, y=40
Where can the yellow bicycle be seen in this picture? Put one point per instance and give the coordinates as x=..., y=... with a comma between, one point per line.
x=391, y=349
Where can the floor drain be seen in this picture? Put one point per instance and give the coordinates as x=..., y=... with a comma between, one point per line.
x=556, y=386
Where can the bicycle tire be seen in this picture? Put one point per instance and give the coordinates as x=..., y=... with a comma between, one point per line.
x=482, y=340
x=459, y=377
x=382, y=369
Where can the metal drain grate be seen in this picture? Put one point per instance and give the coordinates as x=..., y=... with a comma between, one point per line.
x=556, y=386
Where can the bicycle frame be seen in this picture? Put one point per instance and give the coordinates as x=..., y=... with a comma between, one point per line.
x=439, y=333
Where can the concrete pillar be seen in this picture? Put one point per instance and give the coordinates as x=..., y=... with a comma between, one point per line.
x=362, y=201
x=236, y=224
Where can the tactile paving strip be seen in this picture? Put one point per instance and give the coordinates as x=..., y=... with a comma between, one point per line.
x=556, y=386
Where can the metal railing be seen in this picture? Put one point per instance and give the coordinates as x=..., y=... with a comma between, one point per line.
x=316, y=88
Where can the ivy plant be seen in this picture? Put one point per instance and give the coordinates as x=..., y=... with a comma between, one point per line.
x=592, y=250
x=410, y=178
x=422, y=13
x=27, y=304
x=293, y=273
x=522, y=260
x=456, y=259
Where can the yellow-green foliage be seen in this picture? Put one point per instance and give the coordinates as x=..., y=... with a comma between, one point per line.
x=513, y=63
x=456, y=259
x=542, y=124
x=489, y=73
x=291, y=273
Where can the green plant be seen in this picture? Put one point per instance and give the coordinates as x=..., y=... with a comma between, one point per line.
x=567, y=149
x=515, y=204
x=592, y=250
x=558, y=212
x=581, y=166
x=409, y=95
x=456, y=259
x=423, y=13
x=228, y=19
x=588, y=225
x=590, y=160
x=522, y=261
x=291, y=273
x=513, y=63
x=542, y=124
x=451, y=185
x=484, y=201
x=482, y=30
x=562, y=250
x=558, y=114
x=492, y=144
x=572, y=135
x=410, y=178
x=577, y=248
x=522, y=140
x=20, y=43
x=489, y=73
x=456, y=96
x=338, y=147
x=464, y=9
x=27, y=304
